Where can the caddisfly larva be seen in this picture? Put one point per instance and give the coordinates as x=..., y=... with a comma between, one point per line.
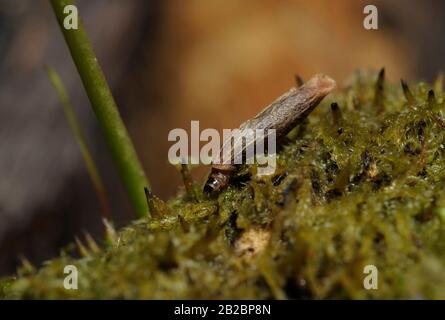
x=282, y=115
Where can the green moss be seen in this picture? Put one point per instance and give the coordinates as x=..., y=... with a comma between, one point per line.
x=369, y=189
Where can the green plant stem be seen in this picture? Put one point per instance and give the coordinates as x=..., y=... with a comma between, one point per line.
x=104, y=106
x=80, y=138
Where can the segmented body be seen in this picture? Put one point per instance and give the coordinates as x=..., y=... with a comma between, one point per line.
x=281, y=115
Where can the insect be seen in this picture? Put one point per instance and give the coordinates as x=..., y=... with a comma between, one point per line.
x=282, y=115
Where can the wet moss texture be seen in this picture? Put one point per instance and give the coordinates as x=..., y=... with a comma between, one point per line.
x=361, y=182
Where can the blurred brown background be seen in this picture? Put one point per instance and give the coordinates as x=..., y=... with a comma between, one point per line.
x=169, y=62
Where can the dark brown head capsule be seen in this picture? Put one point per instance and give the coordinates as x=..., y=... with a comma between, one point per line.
x=219, y=178
x=282, y=115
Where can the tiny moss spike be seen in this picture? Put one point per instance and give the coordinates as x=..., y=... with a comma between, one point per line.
x=407, y=93
x=379, y=91
x=336, y=113
x=431, y=98
x=83, y=251
x=150, y=198
x=150, y=202
x=27, y=267
x=92, y=245
x=438, y=83
x=110, y=232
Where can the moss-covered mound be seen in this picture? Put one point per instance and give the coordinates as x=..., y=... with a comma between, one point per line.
x=362, y=184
